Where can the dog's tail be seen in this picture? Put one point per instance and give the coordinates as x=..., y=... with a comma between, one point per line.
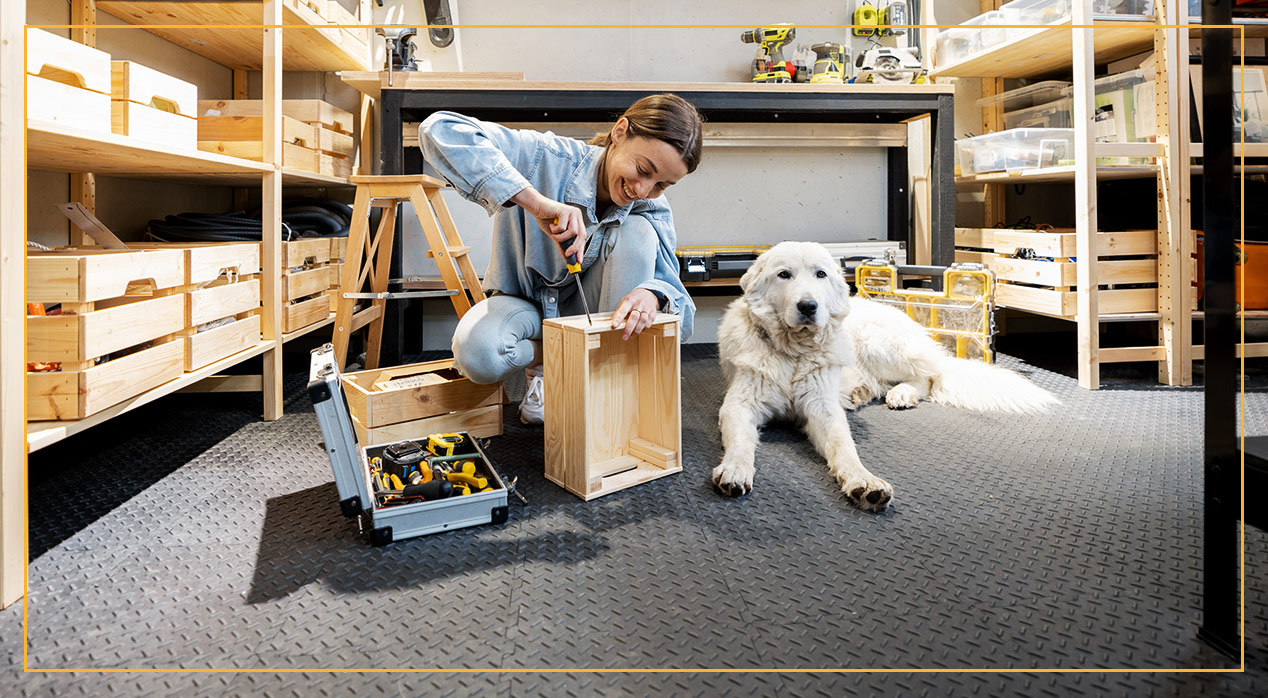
x=976, y=385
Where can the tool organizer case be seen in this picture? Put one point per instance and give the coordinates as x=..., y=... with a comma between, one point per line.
x=697, y=264
x=350, y=462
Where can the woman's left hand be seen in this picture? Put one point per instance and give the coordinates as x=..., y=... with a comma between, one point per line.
x=636, y=312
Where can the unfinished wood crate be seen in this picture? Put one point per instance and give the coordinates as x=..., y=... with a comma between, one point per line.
x=300, y=314
x=151, y=106
x=67, y=83
x=1126, y=270
x=306, y=282
x=222, y=288
x=480, y=422
x=112, y=302
x=613, y=412
x=242, y=137
x=401, y=394
x=316, y=135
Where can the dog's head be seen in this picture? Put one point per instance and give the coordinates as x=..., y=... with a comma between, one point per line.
x=796, y=287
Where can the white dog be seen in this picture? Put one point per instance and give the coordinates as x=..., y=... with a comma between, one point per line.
x=796, y=345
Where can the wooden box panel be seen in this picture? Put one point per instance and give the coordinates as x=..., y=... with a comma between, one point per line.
x=215, y=302
x=251, y=129
x=333, y=166
x=613, y=410
x=207, y=261
x=479, y=422
x=100, y=332
x=294, y=156
x=304, y=313
x=338, y=248
x=133, y=82
x=153, y=125
x=299, y=284
x=203, y=348
x=307, y=110
x=66, y=105
x=297, y=253
x=436, y=389
x=65, y=395
x=82, y=276
x=62, y=60
x=334, y=143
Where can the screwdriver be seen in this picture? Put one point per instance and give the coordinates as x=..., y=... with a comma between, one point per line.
x=574, y=269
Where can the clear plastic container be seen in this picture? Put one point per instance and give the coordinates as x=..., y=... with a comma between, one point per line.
x=1028, y=96
x=955, y=45
x=1016, y=149
x=990, y=34
x=1035, y=11
x=1123, y=7
x=1056, y=114
x=1125, y=108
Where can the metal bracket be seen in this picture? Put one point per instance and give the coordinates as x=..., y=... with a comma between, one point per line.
x=437, y=12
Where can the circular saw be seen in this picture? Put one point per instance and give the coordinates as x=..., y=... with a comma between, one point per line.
x=883, y=64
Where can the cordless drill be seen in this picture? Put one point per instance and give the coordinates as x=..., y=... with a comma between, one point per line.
x=769, y=65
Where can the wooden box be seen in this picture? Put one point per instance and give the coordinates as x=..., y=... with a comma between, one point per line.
x=67, y=83
x=305, y=251
x=333, y=165
x=480, y=422
x=310, y=111
x=300, y=284
x=406, y=394
x=297, y=316
x=333, y=142
x=111, y=301
x=613, y=413
x=153, y=106
x=338, y=248
x=245, y=134
x=1127, y=268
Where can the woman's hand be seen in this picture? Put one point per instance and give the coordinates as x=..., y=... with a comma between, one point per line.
x=558, y=220
x=636, y=312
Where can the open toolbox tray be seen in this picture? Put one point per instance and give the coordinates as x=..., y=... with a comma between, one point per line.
x=357, y=493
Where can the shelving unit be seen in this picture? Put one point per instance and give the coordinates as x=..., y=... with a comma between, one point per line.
x=1063, y=47
x=59, y=149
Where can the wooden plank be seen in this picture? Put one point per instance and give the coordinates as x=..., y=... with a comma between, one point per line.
x=306, y=110
x=207, y=304
x=334, y=142
x=1126, y=354
x=1088, y=310
x=1058, y=273
x=212, y=345
x=304, y=313
x=1047, y=301
x=652, y=453
x=159, y=128
x=251, y=128
x=13, y=494
x=376, y=408
x=297, y=285
x=293, y=156
x=83, y=276
x=1175, y=240
x=101, y=332
x=481, y=423
x=226, y=384
x=278, y=317
x=297, y=253
x=566, y=377
x=614, y=466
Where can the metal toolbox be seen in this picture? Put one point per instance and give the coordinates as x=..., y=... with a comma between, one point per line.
x=358, y=495
x=696, y=264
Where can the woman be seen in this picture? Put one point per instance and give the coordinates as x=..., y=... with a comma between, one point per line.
x=602, y=201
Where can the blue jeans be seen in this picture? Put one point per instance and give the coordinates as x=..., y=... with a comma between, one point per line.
x=502, y=334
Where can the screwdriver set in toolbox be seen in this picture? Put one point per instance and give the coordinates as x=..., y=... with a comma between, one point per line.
x=404, y=489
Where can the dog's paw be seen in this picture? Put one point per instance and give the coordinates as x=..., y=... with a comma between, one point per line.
x=733, y=479
x=902, y=397
x=861, y=395
x=869, y=494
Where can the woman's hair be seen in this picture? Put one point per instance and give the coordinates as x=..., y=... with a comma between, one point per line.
x=668, y=118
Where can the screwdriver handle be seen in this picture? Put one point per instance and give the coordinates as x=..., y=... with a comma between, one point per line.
x=574, y=267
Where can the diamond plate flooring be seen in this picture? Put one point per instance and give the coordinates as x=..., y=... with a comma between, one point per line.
x=1065, y=541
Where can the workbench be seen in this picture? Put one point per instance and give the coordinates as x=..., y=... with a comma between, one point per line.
x=874, y=110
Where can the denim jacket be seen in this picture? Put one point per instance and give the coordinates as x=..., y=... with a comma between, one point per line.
x=488, y=163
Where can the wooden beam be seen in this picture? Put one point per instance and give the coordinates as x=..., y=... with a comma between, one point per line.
x=83, y=185
x=271, y=201
x=12, y=304
x=1085, y=199
x=1175, y=238
x=227, y=384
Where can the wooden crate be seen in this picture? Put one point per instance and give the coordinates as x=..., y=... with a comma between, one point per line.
x=435, y=388
x=112, y=301
x=294, y=156
x=152, y=106
x=244, y=130
x=69, y=394
x=333, y=142
x=613, y=413
x=305, y=251
x=301, y=284
x=1126, y=263
x=480, y=422
x=202, y=348
x=333, y=165
x=67, y=83
x=303, y=313
x=338, y=249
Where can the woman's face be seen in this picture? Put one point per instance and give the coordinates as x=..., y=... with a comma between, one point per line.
x=638, y=168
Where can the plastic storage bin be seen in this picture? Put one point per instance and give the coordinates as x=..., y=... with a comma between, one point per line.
x=1057, y=114
x=1028, y=96
x=1015, y=149
x=1123, y=7
x=955, y=45
x=1035, y=11
x=1125, y=108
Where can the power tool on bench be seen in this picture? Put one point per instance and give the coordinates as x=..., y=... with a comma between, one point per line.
x=831, y=61
x=769, y=65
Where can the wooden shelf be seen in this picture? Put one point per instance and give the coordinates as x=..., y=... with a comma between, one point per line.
x=1050, y=50
x=59, y=149
x=1253, y=150
x=41, y=434
x=311, y=328
x=293, y=177
x=321, y=48
x=1059, y=174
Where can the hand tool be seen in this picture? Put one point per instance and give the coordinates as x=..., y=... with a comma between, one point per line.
x=574, y=270
x=465, y=473
x=445, y=444
x=769, y=65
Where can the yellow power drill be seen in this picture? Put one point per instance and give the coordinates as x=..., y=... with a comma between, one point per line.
x=769, y=65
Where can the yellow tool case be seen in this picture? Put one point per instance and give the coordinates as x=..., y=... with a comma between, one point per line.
x=395, y=489
x=961, y=316
x=709, y=262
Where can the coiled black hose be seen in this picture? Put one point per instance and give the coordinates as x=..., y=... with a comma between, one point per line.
x=301, y=217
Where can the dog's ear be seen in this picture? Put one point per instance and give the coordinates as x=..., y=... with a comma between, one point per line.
x=839, y=305
x=749, y=279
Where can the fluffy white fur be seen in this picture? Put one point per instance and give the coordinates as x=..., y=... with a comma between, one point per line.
x=796, y=345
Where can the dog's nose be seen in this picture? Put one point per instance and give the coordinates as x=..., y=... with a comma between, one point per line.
x=807, y=308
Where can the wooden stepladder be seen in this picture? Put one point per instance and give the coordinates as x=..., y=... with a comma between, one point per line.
x=369, y=258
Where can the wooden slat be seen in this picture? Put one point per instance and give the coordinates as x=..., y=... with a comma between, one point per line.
x=1124, y=354
x=13, y=450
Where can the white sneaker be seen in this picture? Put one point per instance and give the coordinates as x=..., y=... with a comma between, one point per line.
x=533, y=406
